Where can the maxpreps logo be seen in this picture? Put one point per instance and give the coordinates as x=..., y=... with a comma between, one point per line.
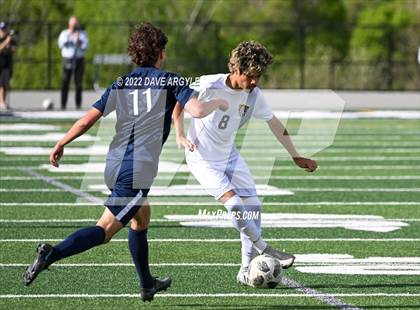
x=219, y=214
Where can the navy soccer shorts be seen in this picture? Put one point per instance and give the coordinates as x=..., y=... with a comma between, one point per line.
x=129, y=184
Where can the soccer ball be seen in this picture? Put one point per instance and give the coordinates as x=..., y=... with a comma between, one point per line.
x=48, y=104
x=264, y=272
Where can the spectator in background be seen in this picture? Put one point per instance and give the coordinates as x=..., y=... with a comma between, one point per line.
x=73, y=43
x=7, y=48
x=418, y=56
x=418, y=59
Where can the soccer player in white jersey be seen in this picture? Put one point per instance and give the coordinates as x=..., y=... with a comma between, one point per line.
x=213, y=158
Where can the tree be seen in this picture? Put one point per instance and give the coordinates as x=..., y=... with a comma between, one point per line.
x=380, y=37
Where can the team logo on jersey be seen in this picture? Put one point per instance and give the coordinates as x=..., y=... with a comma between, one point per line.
x=243, y=108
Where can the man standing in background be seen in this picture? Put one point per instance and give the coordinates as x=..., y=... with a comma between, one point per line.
x=7, y=48
x=73, y=43
x=418, y=55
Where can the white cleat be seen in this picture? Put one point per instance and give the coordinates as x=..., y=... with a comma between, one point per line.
x=243, y=277
x=286, y=259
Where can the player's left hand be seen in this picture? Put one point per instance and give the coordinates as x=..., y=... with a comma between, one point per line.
x=184, y=142
x=306, y=163
x=56, y=154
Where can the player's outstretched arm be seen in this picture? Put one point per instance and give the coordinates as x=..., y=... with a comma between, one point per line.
x=78, y=129
x=200, y=109
x=283, y=137
x=181, y=140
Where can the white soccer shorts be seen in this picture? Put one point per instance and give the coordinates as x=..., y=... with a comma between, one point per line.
x=219, y=177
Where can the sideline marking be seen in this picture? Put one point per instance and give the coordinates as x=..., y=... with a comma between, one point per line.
x=63, y=186
x=329, y=299
x=217, y=295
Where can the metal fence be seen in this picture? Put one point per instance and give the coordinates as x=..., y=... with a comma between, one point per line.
x=204, y=49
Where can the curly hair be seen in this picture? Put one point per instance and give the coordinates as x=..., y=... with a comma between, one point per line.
x=250, y=58
x=145, y=44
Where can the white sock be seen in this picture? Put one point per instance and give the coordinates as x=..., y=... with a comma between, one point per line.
x=247, y=251
x=260, y=245
x=253, y=206
x=236, y=209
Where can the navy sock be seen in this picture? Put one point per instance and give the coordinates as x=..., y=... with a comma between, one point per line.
x=78, y=242
x=139, y=249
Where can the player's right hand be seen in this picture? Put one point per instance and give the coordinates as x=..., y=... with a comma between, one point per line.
x=56, y=154
x=181, y=141
x=306, y=163
x=223, y=104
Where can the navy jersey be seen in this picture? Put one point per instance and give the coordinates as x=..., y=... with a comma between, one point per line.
x=144, y=101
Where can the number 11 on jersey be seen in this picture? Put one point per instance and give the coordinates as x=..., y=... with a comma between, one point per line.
x=148, y=94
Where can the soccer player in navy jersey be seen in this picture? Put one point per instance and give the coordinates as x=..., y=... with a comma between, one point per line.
x=143, y=101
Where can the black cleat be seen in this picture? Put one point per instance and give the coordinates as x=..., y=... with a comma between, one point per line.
x=160, y=284
x=40, y=263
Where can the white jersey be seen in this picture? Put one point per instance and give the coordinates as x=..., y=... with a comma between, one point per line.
x=67, y=42
x=214, y=134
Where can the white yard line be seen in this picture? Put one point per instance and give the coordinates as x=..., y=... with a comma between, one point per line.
x=31, y=190
x=68, y=220
x=351, y=145
x=343, y=167
x=102, y=150
x=313, y=114
x=173, y=190
x=311, y=259
x=357, y=134
x=277, y=168
x=236, y=240
x=343, y=267
x=285, y=157
x=18, y=167
x=63, y=186
x=295, y=189
x=261, y=136
x=372, y=223
x=341, y=189
x=54, y=220
x=330, y=299
x=195, y=203
x=49, y=221
x=333, y=147
x=278, y=157
x=327, y=177
x=276, y=177
x=48, y=137
x=131, y=264
x=28, y=127
x=201, y=295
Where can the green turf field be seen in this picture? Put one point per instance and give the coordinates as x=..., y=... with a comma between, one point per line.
x=371, y=170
